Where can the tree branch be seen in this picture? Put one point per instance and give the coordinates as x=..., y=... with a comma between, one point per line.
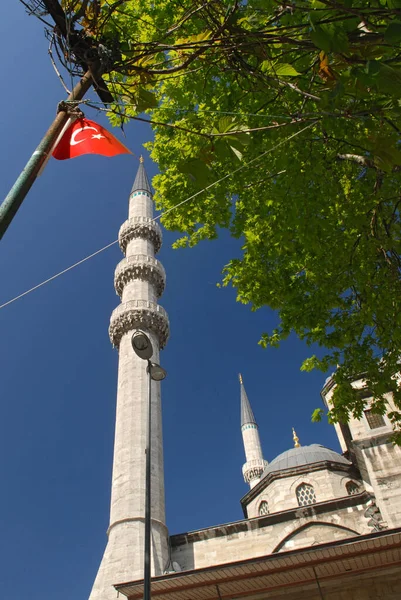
x=360, y=160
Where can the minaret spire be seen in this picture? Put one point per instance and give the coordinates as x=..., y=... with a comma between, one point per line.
x=141, y=182
x=255, y=463
x=139, y=280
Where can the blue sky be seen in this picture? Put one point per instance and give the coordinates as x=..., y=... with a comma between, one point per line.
x=58, y=369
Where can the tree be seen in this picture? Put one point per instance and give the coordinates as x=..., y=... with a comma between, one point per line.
x=300, y=102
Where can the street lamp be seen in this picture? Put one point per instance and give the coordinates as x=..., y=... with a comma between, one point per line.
x=143, y=348
x=142, y=345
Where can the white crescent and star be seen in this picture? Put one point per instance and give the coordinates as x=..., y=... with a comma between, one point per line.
x=95, y=136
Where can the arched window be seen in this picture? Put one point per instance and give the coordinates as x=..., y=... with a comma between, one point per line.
x=305, y=494
x=352, y=488
x=263, y=508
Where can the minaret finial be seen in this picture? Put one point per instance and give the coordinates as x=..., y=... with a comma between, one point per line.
x=296, y=439
x=240, y=378
x=141, y=159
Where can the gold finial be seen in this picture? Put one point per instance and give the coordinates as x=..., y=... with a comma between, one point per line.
x=296, y=439
x=240, y=378
x=141, y=159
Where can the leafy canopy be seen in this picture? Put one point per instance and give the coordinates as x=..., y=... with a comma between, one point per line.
x=228, y=84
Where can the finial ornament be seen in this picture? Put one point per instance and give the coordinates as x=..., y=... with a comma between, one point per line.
x=141, y=160
x=296, y=439
x=240, y=378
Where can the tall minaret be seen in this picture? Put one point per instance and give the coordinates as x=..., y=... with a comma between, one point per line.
x=139, y=280
x=255, y=463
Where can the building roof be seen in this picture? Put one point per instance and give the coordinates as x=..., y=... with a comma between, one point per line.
x=304, y=455
x=247, y=415
x=141, y=182
x=336, y=563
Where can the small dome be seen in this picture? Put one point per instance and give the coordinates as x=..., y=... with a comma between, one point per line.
x=304, y=455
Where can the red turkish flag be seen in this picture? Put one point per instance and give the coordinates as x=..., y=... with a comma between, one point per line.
x=88, y=137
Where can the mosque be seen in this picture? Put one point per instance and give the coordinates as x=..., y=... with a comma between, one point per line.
x=317, y=524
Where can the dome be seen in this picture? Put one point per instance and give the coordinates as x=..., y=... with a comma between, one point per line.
x=304, y=455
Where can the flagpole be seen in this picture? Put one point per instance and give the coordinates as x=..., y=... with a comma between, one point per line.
x=67, y=124
x=27, y=177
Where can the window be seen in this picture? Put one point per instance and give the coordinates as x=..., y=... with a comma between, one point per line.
x=374, y=420
x=263, y=508
x=305, y=494
x=352, y=488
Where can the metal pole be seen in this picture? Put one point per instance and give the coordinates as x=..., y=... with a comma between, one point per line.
x=24, y=182
x=146, y=574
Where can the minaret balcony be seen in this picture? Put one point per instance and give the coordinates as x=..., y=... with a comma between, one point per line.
x=139, y=314
x=140, y=266
x=253, y=469
x=142, y=227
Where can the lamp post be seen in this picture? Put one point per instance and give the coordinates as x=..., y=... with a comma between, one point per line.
x=143, y=348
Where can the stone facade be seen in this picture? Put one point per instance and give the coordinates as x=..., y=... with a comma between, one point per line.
x=285, y=530
x=378, y=460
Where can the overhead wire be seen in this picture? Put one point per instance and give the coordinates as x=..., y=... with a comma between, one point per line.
x=188, y=110
x=58, y=274
x=157, y=217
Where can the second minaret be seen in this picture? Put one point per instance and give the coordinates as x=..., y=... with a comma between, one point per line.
x=255, y=463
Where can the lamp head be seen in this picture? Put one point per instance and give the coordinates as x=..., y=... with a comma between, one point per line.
x=157, y=373
x=142, y=345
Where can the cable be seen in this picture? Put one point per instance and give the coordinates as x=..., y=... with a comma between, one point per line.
x=166, y=212
x=58, y=274
x=188, y=110
x=236, y=170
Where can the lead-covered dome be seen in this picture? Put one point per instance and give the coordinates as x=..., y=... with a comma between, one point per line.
x=304, y=455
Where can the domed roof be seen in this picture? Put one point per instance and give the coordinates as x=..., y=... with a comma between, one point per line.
x=304, y=455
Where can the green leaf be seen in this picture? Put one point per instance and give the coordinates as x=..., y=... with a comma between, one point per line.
x=320, y=39
x=389, y=80
x=392, y=35
x=285, y=70
x=385, y=151
x=373, y=67
x=317, y=415
x=266, y=66
x=240, y=139
x=237, y=153
x=330, y=38
x=196, y=170
x=146, y=100
x=310, y=363
x=225, y=124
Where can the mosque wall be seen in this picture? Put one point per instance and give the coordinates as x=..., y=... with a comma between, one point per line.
x=297, y=528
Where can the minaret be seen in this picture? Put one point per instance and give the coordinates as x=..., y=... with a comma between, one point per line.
x=139, y=280
x=255, y=463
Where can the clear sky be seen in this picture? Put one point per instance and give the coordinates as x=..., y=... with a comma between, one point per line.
x=58, y=369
